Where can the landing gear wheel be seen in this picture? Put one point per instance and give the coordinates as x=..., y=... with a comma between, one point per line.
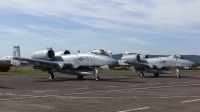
x=141, y=74
x=95, y=73
x=80, y=77
x=97, y=78
x=51, y=76
x=156, y=74
x=178, y=75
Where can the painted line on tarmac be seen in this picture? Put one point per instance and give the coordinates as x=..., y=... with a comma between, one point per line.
x=135, y=85
x=143, y=108
x=9, y=94
x=189, y=101
x=158, y=87
x=189, y=82
x=81, y=88
x=111, y=86
x=173, y=82
x=195, y=84
x=44, y=91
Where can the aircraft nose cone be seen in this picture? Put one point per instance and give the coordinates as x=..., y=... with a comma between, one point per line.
x=187, y=64
x=191, y=64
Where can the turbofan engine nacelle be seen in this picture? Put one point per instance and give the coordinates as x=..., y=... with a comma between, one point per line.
x=44, y=55
x=131, y=58
x=62, y=52
x=143, y=56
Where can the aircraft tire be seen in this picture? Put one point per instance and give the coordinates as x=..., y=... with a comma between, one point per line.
x=141, y=74
x=80, y=77
x=156, y=74
x=97, y=78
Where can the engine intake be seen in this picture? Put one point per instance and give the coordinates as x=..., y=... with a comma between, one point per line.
x=62, y=52
x=44, y=55
x=143, y=56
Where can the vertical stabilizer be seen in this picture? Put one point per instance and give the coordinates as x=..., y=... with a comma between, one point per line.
x=16, y=53
x=16, y=50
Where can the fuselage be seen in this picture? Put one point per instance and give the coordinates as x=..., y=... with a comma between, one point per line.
x=86, y=60
x=161, y=62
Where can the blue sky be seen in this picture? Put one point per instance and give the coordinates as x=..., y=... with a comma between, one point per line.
x=160, y=27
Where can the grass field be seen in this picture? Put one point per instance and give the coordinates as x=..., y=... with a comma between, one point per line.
x=25, y=70
x=29, y=70
x=22, y=71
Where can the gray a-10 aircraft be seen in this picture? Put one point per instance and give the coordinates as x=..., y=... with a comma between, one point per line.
x=159, y=65
x=75, y=64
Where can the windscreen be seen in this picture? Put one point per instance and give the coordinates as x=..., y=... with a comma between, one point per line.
x=99, y=52
x=179, y=56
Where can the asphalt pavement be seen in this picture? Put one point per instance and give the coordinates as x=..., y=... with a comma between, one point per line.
x=115, y=92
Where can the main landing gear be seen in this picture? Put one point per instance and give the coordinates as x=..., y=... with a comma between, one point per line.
x=51, y=76
x=95, y=73
x=177, y=73
x=156, y=74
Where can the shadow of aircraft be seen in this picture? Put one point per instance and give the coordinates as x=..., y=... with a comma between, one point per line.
x=62, y=79
x=3, y=87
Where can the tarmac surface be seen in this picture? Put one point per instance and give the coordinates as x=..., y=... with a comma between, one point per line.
x=115, y=92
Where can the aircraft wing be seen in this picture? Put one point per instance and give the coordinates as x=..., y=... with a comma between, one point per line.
x=60, y=64
x=145, y=65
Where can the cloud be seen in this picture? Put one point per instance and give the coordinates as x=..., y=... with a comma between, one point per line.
x=49, y=28
x=16, y=31
x=137, y=41
x=114, y=14
x=152, y=12
x=170, y=12
x=97, y=23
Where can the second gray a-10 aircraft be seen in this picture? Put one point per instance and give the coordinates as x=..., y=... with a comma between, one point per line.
x=75, y=64
x=158, y=65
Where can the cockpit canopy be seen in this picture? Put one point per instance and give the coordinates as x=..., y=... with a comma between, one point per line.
x=178, y=56
x=99, y=52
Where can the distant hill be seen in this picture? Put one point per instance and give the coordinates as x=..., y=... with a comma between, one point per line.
x=194, y=58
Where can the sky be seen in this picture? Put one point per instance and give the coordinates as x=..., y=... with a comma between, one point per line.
x=160, y=27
